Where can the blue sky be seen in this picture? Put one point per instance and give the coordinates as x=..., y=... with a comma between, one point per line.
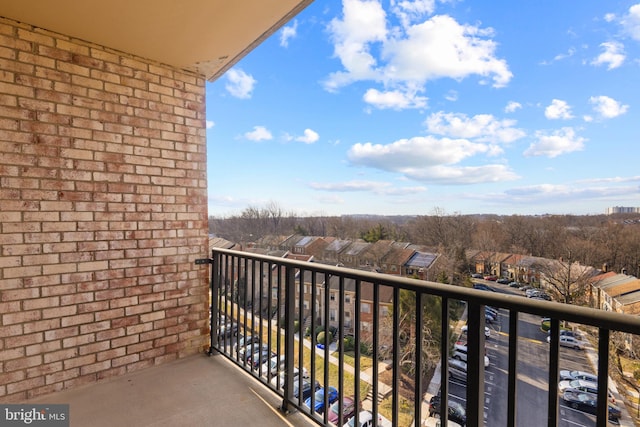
x=408, y=107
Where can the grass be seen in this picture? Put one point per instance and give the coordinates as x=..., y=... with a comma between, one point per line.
x=405, y=410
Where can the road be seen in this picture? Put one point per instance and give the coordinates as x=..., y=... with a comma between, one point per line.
x=533, y=374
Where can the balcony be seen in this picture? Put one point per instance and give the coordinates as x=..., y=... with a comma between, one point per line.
x=276, y=300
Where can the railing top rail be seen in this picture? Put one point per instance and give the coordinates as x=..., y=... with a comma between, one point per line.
x=585, y=315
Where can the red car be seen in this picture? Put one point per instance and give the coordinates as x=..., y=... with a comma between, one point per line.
x=348, y=411
x=490, y=277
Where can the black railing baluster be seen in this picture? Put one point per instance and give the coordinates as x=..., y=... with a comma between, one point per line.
x=289, y=315
x=475, y=363
x=603, y=377
x=418, y=351
x=554, y=355
x=395, y=400
x=512, y=379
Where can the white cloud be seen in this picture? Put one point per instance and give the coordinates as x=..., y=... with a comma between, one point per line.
x=558, y=109
x=364, y=22
x=394, y=99
x=309, y=137
x=366, y=186
x=568, y=54
x=512, y=106
x=410, y=11
x=483, y=127
x=442, y=48
x=429, y=159
x=259, y=133
x=287, y=33
x=613, y=55
x=609, y=17
x=210, y=124
x=451, y=95
x=607, y=107
x=405, y=58
x=553, y=144
x=631, y=22
x=239, y=83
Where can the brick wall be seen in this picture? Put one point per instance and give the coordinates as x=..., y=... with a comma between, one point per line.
x=102, y=213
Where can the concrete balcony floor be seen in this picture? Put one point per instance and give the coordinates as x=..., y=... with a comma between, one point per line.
x=194, y=391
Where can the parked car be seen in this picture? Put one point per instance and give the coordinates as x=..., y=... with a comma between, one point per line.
x=490, y=277
x=279, y=379
x=307, y=390
x=460, y=353
x=583, y=387
x=455, y=413
x=229, y=329
x=567, y=332
x=273, y=366
x=490, y=315
x=532, y=291
x=477, y=276
x=487, y=331
x=578, y=375
x=348, y=410
x=515, y=284
x=458, y=370
x=244, y=341
x=259, y=357
x=588, y=402
x=482, y=287
x=436, y=422
x=318, y=398
x=571, y=342
x=365, y=419
x=246, y=352
x=503, y=281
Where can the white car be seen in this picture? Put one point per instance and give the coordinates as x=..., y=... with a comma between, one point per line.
x=460, y=353
x=487, y=331
x=437, y=422
x=273, y=366
x=279, y=379
x=365, y=419
x=571, y=342
x=578, y=375
x=582, y=386
x=458, y=370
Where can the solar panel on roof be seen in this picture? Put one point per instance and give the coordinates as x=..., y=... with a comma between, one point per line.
x=421, y=259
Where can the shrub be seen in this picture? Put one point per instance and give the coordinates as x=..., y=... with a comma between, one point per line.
x=320, y=338
x=349, y=343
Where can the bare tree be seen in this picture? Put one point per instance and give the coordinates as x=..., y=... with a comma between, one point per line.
x=566, y=278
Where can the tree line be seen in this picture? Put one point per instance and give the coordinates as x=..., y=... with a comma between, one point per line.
x=600, y=241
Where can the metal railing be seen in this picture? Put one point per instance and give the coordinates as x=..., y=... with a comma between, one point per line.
x=274, y=298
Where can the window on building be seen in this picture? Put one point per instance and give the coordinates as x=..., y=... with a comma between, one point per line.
x=333, y=296
x=347, y=299
x=384, y=310
x=365, y=307
x=332, y=315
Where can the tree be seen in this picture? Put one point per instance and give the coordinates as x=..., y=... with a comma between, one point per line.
x=568, y=279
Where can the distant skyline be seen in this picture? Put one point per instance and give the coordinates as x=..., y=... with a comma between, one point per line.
x=405, y=107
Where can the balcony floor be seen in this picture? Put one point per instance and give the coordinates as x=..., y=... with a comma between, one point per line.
x=194, y=391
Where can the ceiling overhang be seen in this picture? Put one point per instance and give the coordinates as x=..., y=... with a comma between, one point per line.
x=205, y=36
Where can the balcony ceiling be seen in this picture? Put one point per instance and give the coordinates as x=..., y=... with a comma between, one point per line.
x=206, y=36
